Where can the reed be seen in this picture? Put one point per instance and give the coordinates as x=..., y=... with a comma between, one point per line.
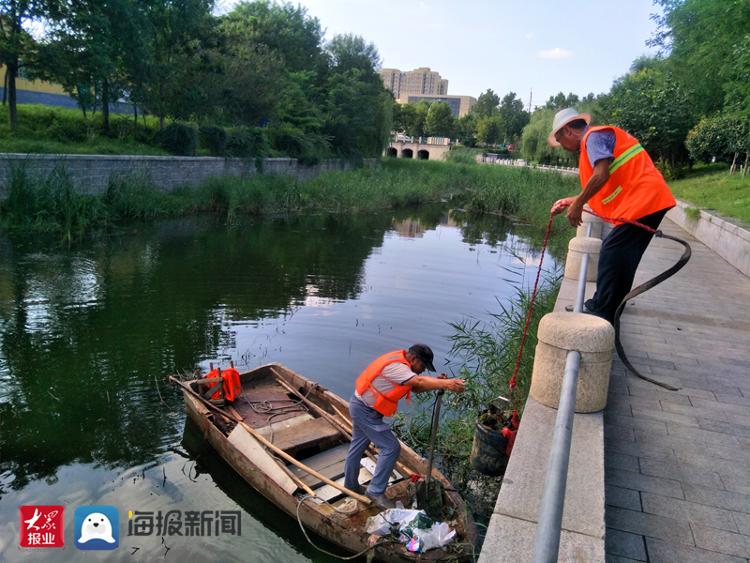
x=523, y=194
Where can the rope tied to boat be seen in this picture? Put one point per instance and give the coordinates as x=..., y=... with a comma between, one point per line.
x=341, y=557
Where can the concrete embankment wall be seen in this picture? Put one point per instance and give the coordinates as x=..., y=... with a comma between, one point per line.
x=512, y=528
x=91, y=174
x=728, y=239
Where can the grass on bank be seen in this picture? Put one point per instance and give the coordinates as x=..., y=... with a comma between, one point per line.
x=52, y=204
x=713, y=188
x=55, y=130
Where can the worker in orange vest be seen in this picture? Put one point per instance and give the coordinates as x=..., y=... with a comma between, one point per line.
x=378, y=390
x=620, y=182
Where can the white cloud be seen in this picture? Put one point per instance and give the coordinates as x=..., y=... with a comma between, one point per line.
x=556, y=53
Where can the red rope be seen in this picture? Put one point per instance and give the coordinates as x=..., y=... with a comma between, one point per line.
x=512, y=381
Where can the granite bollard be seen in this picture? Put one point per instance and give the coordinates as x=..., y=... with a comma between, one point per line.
x=560, y=333
x=577, y=247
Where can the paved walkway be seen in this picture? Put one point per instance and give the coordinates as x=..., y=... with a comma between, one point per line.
x=677, y=464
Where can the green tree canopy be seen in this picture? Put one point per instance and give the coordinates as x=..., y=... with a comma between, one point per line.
x=653, y=107
x=439, y=121
x=487, y=104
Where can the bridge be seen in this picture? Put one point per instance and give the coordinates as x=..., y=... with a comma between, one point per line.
x=421, y=148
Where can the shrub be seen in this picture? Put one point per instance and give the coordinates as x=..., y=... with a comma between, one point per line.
x=247, y=141
x=179, y=138
x=307, y=147
x=214, y=139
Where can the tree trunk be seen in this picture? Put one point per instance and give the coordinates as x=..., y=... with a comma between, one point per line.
x=734, y=162
x=5, y=87
x=744, y=166
x=11, y=73
x=105, y=104
x=135, y=115
x=81, y=103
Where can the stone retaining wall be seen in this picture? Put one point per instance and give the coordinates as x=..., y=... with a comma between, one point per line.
x=728, y=239
x=90, y=174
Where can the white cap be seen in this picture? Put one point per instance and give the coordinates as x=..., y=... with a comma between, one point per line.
x=562, y=118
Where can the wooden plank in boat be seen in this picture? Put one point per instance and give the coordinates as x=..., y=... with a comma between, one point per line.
x=330, y=463
x=251, y=448
x=368, y=464
x=333, y=472
x=306, y=434
x=267, y=432
x=329, y=493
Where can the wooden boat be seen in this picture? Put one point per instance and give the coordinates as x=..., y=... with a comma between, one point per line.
x=288, y=438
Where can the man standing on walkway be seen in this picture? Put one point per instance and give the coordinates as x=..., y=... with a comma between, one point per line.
x=378, y=390
x=620, y=183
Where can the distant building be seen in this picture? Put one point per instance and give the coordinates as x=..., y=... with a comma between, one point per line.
x=421, y=80
x=460, y=105
x=38, y=92
x=50, y=94
x=424, y=84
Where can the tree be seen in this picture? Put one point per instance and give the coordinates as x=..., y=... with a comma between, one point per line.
x=701, y=37
x=439, y=121
x=16, y=44
x=174, y=35
x=283, y=28
x=560, y=101
x=534, y=145
x=466, y=130
x=654, y=108
x=486, y=105
x=512, y=117
x=86, y=45
x=359, y=108
x=489, y=129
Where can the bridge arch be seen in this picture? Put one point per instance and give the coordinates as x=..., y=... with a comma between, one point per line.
x=423, y=154
x=407, y=153
x=392, y=152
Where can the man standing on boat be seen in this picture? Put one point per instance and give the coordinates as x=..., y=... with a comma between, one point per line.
x=378, y=390
x=620, y=183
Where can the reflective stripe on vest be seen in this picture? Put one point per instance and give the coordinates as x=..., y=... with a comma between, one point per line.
x=635, y=187
x=385, y=403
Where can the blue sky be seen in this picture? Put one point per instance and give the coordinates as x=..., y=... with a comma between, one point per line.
x=549, y=46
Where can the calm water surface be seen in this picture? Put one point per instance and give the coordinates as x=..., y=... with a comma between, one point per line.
x=88, y=335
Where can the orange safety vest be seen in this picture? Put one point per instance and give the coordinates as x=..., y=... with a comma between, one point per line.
x=230, y=384
x=385, y=403
x=635, y=187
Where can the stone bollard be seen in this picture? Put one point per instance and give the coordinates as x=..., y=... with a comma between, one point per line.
x=559, y=333
x=577, y=247
x=597, y=226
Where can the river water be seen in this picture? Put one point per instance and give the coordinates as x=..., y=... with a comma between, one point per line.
x=88, y=335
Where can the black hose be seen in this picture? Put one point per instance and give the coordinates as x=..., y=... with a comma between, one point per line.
x=637, y=291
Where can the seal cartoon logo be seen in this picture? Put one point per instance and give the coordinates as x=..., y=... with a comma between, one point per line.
x=97, y=527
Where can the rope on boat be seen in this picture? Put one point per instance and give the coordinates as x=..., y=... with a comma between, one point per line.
x=342, y=557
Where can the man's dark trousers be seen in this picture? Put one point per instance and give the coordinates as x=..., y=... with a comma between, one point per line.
x=619, y=257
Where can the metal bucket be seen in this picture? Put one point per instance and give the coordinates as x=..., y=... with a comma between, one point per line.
x=488, y=451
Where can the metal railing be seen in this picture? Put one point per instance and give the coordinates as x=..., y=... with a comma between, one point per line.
x=547, y=540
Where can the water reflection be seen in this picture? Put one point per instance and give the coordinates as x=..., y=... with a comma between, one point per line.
x=88, y=334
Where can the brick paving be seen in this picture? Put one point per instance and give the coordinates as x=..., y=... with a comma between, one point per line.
x=677, y=463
